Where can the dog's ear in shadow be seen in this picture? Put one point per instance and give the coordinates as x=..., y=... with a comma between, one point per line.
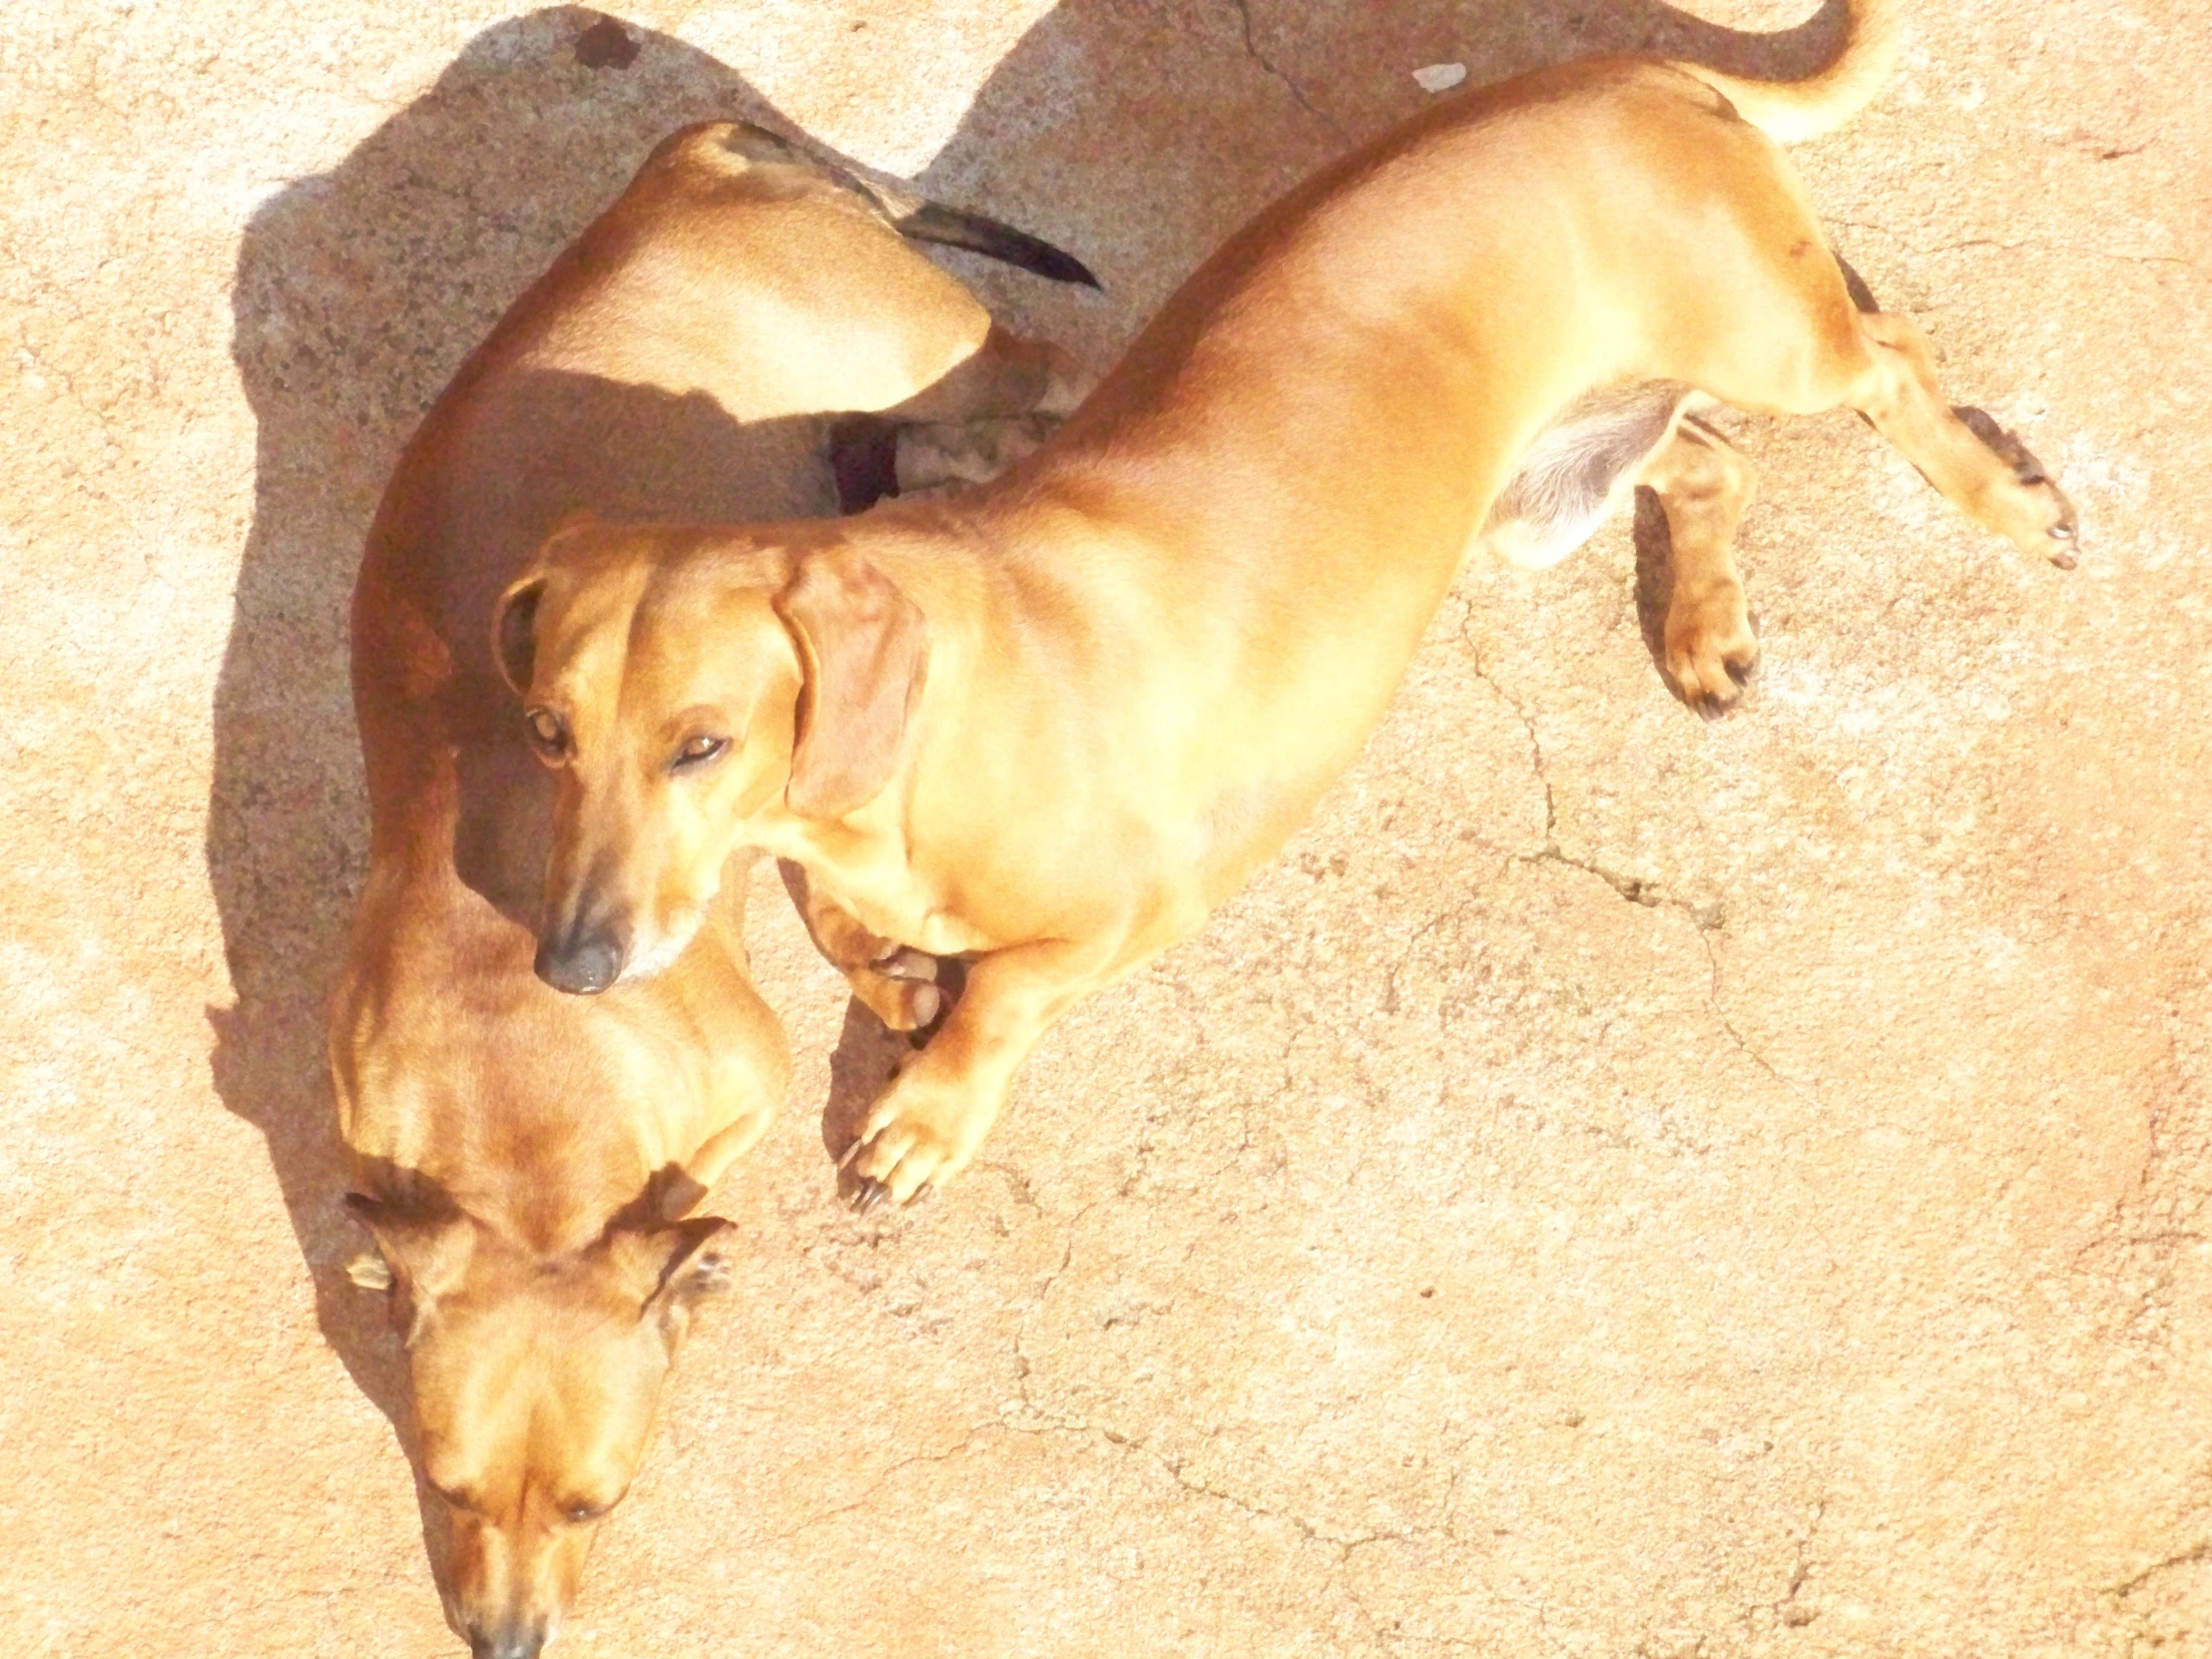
x=672, y=1269
x=424, y=1255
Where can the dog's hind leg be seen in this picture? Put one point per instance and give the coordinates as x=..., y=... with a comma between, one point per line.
x=1584, y=466
x=1762, y=317
x=1992, y=479
x=1704, y=485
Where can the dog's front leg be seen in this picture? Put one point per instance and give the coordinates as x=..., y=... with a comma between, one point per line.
x=927, y=1124
x=895, y=984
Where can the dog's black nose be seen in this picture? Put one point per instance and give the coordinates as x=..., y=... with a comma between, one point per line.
x=582, y=966
x=507, y=1644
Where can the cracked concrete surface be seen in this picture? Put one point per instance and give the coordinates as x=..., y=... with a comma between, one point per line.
x=1613, y=1187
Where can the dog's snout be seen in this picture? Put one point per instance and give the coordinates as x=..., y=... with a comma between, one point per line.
x=581, y=964
x=512, y=1643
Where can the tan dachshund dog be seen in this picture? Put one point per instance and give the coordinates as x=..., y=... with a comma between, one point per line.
x=527, y=1160
x=1051, y=724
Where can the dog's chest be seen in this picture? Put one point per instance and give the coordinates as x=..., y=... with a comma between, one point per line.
x=892, y=901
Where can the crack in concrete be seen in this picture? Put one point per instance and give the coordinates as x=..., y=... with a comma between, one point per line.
x=2183, y=1558
x=1047, y=1423
x=1810, y=1096
x=1251, y=51
x=1017, y=1184
x=1528, y=725
x=1314, y=1531
x=2143, y=1229
x=2171, y=1020
x=1706, y=919
x=1390, y=998
x=2063, y=248
x=882, y=1478
x=1632, y=889
x=1044, y=1421
x=1790, y=1611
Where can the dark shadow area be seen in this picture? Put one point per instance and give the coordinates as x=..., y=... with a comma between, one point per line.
x=541, y=446
x=868, y=1056
x=1654, y=543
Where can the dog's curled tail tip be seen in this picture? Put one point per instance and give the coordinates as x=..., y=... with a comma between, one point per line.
x=979, y=234
x=1787, y=111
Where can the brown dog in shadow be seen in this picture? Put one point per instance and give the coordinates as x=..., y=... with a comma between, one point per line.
x=529, y=1161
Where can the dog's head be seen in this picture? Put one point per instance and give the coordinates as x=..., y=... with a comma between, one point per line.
x=681, y=683
x=535, y=1383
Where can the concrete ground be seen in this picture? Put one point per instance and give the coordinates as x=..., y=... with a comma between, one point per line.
x=1613, y=1187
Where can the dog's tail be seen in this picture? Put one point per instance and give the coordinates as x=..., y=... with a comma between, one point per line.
x=910, y=214
x=1791, y=109
x=926, y=221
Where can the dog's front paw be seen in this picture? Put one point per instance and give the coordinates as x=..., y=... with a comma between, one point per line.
x=1712, y=650
x=908, y=1147
x=901, y=988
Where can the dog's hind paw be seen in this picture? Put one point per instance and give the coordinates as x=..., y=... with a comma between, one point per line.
x=1712, y=650
x=2032, y=513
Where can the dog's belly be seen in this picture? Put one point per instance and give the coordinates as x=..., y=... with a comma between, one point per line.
x=1569, y=480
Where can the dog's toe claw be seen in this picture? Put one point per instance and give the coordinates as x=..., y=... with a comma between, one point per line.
x=2065, y=541
x=1741, y=673
x=869, y=1195
x=1712, y=710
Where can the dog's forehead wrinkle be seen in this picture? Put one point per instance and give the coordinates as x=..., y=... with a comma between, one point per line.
x=583, y=645
x=673, y=662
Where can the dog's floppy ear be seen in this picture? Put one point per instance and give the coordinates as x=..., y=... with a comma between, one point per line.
x=514, y=632
x=670, y=1267
x=425, y=1252
x=864, y=646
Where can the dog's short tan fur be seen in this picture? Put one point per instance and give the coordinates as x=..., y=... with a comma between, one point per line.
x=1052, y=723
x=527, y=1158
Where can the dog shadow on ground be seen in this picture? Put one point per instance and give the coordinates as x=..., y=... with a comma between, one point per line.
x=1134, y=135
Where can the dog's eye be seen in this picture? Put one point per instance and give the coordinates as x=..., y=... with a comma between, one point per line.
x=579, y=1513
x=454, y=1498
x=696, y=752
x=548, y=731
